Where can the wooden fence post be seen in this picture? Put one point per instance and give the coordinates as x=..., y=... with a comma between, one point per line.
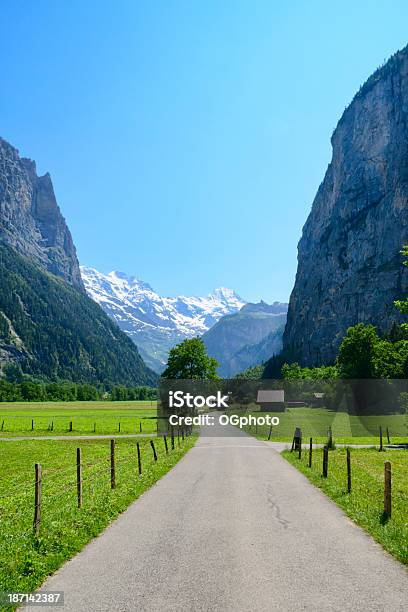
x=140, y=426
x=165, y=444
x=381, y=439
x=52, y=425
x=70, y=426
x=119, y=427
x=325, y=461
x=310, y=452
x=139, y=461
x=2, y=425
x=270, y=432
x=154, y=450
x=37, y=499
x=112, y=464
x=94, y=427
x=32, y=424
x=330, y=441
x=172, y=436
x=387, y=488
x=79, y=478
x=348, y=471
x=388, y=436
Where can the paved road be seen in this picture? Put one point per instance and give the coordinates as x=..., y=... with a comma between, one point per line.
x=233, y=527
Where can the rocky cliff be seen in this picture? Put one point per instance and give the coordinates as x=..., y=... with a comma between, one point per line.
x=30, y=220
x=349, y=262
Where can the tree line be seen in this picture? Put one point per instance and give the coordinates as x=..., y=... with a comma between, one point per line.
x=32, y=391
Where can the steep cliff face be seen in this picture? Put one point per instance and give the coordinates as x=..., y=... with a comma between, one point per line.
x=30, y=220
x=349, y=262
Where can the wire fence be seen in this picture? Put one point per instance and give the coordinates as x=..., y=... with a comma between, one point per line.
x=346, y=471
x=34, y=507
x=63, y=424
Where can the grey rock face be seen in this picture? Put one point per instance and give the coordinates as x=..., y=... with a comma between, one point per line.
x=30, y=219
x=349, y=263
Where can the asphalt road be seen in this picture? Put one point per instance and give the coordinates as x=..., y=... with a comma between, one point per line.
x=233, y=527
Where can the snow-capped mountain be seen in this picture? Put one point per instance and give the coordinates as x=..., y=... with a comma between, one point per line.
x=156, y=323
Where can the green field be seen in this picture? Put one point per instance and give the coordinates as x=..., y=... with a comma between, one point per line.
x=25, y=561
x=365, y=503
x=53, y=418
x=315, y=422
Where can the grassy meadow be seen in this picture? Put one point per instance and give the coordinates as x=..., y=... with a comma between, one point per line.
x=25, y=560
x=365, y=502
x=315, y=423
x=98, y=417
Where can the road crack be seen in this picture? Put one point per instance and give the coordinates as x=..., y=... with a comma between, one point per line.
x=276, y=508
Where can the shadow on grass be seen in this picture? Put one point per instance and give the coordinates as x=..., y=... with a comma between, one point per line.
x=384, y=518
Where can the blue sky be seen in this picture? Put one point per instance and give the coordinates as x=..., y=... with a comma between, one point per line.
x=186, y=139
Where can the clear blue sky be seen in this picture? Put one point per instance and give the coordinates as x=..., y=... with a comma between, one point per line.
x=186, y=139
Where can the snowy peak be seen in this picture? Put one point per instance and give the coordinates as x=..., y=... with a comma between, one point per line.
x=189, y=315
x=154, y=322
x=222, y=293
x=225, y=295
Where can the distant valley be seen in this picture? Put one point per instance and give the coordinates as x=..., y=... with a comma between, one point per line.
x=247, y=338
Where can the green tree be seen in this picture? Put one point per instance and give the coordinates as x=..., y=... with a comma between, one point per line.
x=189, y=360
x=32, y=392
x=402, y=305
x=86, y=393
x=294, y=371
x=391, y=359
x=254, y=373
x=357, y=353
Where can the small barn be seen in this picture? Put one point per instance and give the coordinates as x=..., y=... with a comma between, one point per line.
x=271, y=400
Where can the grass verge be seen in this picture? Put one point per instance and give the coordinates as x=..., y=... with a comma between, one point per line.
x=87, y=418
x=315, y=423
x=365, y=502
x=25, y=561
